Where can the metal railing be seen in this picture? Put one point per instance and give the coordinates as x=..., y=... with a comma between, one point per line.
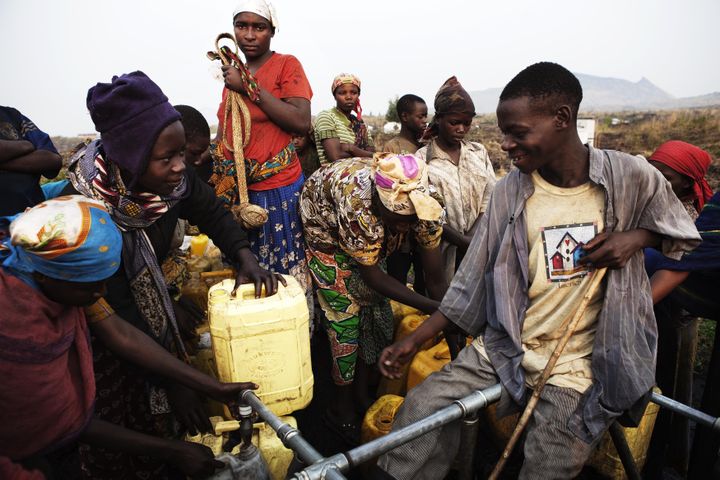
x=680, y=408
x=333, y=467
x=290, y=436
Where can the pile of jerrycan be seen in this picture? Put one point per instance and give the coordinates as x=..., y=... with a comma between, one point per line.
x=433, y=355
x=265, y=340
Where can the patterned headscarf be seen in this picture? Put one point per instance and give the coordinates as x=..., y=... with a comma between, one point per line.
x=68, y=238
x=690, y=161
x=402, y=185
x=451, y=98
x=259, y=7
x=348, y=79
x=95, y=176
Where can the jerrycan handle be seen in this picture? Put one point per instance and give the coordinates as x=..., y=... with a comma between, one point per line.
x=443, y=353
x=246, y=292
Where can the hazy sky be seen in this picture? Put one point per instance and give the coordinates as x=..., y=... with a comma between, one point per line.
x=55, y=50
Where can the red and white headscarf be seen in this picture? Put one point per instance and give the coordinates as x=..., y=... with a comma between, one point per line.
x=348, y=79
x=689, y=160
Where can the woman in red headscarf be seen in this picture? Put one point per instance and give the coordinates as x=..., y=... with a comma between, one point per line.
x=684, y=166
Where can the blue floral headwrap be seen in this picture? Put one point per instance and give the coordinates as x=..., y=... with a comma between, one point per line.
x=68, y=238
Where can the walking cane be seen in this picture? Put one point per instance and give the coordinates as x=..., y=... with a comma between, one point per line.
x=594, y=283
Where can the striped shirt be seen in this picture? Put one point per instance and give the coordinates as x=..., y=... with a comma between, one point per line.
x=489, y=294
x=332, y=124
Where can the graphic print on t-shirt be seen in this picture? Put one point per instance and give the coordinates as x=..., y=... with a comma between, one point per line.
x=562, y=248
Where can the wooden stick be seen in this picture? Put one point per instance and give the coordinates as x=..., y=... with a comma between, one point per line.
x=227, y=272
x=594, y=284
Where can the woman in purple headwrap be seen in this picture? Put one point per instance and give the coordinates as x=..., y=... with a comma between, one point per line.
x=137, y=171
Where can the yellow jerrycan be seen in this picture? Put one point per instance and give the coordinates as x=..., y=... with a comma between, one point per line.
x=407, y=326
x=400, y=310
x=264, y=340
x=275, y=454
x=379, y=418
x=427, y=362
x=604, y=459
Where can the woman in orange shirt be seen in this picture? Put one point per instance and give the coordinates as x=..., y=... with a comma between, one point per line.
x=280, y=108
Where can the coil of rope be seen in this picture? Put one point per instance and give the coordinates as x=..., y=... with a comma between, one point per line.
x=249, y=215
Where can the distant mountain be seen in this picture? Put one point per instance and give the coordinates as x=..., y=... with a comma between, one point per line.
x=609, y=94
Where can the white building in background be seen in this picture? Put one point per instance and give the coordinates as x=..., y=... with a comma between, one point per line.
x=391, y=127
x=586, y=130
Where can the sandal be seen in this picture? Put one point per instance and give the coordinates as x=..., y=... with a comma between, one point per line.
x=349, y=432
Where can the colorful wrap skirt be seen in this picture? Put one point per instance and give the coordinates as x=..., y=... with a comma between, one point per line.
x=357, y=319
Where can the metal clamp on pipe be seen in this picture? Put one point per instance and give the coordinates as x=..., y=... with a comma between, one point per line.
x=477, y=400
x=330, y=468
x=363, y=453
x=471, y=404
x=290, y=436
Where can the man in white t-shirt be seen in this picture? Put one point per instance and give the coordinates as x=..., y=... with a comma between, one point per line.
x=567, y=209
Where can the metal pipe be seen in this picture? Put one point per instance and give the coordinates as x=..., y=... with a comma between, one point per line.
x=680, y=408
x=459, y=408
x=626, y=457
x=468, y=442
x=290, y=436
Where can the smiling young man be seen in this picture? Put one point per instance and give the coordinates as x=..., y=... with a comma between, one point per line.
x=568, y=208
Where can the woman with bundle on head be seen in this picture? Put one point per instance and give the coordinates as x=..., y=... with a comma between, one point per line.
x=54, y=262
x=460, y=169
x=339, y=133
x=277, y=94
x=137, y=171
x=355, y=212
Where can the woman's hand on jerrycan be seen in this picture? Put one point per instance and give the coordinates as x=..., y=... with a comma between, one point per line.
x=249, y=271
x=396, y=356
